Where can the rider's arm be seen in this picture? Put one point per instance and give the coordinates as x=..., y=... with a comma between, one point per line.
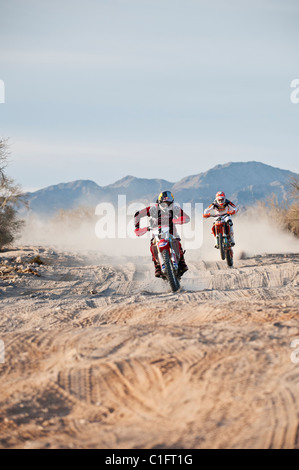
x=138, y=215
x=232, y=208
x=207, y=211
x=180, y=217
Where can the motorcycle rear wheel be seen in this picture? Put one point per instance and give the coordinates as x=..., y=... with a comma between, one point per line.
x=229, y=257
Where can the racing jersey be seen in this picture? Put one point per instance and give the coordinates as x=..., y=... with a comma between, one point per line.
x=215, y=209
x=158, y=218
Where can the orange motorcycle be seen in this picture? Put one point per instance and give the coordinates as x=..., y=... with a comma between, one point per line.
x=221, y=230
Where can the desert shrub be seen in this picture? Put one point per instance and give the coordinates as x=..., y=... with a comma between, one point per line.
x=285, y=214
x=292, y=214
x=36, y=260
x=10, y=197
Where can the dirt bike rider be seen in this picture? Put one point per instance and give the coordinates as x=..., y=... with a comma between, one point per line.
x=221, y=206
x=163, y=212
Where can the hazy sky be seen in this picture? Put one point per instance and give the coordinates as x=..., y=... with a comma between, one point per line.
x=99, y=89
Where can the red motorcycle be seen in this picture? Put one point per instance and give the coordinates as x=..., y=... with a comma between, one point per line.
x=168, y=255
x=221, y=230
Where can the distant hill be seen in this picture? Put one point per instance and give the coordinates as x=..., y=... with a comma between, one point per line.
x=49, y=200
x=243, y=182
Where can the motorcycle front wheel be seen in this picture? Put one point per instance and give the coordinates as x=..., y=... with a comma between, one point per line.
x=173, y=281
x=221, y=247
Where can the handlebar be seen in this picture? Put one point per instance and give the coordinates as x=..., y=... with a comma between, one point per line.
x=219, y=215
x=141, y=231
x=157, y=227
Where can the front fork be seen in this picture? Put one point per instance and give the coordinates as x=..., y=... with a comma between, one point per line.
x=224, y=236
x=172, y=255
x=161, y=261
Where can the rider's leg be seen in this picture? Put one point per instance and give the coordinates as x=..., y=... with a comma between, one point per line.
x=182, y=263
x=232, y=238
x=231, y=230
x=230, y=227
x=155, y=260
x=214, y=234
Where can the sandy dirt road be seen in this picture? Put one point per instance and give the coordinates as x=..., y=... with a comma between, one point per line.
x=101, y=355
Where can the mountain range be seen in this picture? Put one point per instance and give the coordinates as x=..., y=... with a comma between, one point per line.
x=243, y=182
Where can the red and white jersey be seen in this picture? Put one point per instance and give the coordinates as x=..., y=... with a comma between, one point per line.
x=216, y=209
x=174, y=215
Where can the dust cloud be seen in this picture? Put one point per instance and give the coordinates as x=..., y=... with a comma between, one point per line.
x=256, y=233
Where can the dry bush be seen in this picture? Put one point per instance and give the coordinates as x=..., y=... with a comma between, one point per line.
x=285, y=214
x=10, y=197
x=292, y=214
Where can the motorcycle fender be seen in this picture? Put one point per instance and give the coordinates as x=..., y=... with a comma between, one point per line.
x=163, y=245
x=219, y=227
